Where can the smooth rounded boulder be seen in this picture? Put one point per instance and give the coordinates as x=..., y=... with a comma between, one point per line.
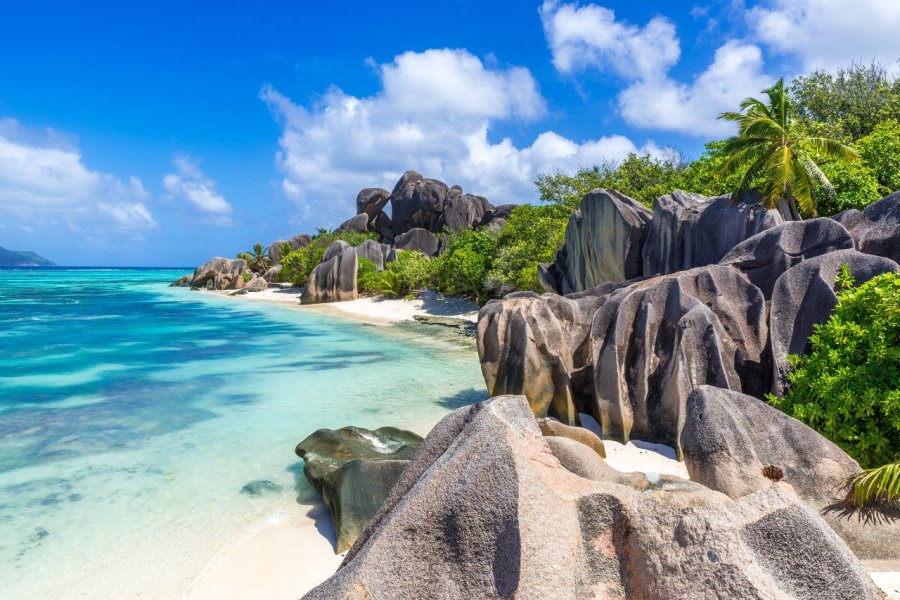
x=876, y=230
x=334, y=280
x=220, y=274
x=420, y=240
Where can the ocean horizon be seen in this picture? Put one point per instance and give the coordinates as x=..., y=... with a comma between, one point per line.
x=135, y=420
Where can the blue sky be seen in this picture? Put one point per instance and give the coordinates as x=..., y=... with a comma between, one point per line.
x=168, y=133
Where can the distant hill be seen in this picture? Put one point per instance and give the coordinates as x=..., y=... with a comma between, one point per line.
x=12, y=258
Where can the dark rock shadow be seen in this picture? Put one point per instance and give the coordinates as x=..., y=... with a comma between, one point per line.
x=464, y=398
x=870, y=515
x=306, y=495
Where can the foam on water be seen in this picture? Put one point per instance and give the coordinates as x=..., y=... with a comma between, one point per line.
x=132, y=414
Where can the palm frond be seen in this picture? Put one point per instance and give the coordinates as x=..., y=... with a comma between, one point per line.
x=779, y=172
x=744, y=184
x=803, y=191
x=762, y=128
x=881, y=484
x=731, y=116
x=738, y=158
x=831, y=148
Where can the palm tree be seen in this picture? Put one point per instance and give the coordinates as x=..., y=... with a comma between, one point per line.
x=257, y=259
x=775, y=154
x=881, y=484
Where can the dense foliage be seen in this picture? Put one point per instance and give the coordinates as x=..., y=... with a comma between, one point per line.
x=298, y=264
x=848, y=387
x=411, y=272
x=530, y=236
x=463, y=265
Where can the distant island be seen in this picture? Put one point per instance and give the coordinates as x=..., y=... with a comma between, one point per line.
x=24, y=258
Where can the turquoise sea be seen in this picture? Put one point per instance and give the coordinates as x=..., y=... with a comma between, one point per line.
x=132, y=414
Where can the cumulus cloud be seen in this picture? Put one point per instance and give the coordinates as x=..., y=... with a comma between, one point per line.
x=830, y=33
x=190, y=183
x=44, y=181
x=590, y=37
x=433, y=114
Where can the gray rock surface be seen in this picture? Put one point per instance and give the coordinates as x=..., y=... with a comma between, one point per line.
x=275, y=251
x=357, y=224
x=729, y=438
x=374, y=252
x=876, y=230
x=418, y=239
x=334, y=280
x=354, y=469
x=654, y=341
x=220, y=274
x=689, y=230
x=336, y=248
x=182, y=281
x=604, y=242
x=766, y=255
x=462, y=211
x=487, y=510
x=804, y=296
x=495, y=218
x=417, y=202
x=256, y=284
x=372, y=201
x=273, y=274
x=301, y=240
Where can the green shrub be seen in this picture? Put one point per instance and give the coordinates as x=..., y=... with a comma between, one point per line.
x=368, y=279
x=463, y=266
x=880, y=152
x=530, y=236
x=855, y=186
x=848, y=387
x=408, y=274
x=299, y=263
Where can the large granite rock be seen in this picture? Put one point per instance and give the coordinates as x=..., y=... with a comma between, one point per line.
x=275, y=251
x=417, y=202
x=334, y=280
x=876, y=230
x=354, y=469
x=604, y=241
x=372, y=201
x=301, y=240
x=495, y=218
x=374, y=252
x=739, y=445
x=184, y=281
x=420, y=240
x=766, y=255
x=220, y=274
x=257, y=284
x=585, y=437
x=804, y=296
x=487, y=510
x=462, y=211
x=273, y=274
x=689, y=230
x=537, y=346
x=357, y=224
x=654, y=341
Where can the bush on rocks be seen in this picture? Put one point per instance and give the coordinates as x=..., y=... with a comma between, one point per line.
x=848, y=387
x=298, y=264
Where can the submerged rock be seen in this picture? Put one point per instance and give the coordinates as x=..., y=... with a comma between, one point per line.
x=259, y=487
x=354, y=469
x=487, y=510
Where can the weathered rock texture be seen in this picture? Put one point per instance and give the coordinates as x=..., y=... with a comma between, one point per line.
x=805, y=295
x=420, y=240
x=256, y=284
x=765, y=256
x=334, y=279
x=689, y=230
x=730, y=438
x=586, y=437
x=220, y=274
x=354, y=469
x=604, y=241
x=875, y=228
x=358, y=224
x=374, y=252
x=486, y=510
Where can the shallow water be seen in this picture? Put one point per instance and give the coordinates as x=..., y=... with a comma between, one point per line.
x=132, y=414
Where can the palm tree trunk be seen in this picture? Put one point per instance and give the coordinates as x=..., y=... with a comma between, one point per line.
x=788, y=208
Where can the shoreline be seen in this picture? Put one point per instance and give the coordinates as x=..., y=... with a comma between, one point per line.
x=372, y=310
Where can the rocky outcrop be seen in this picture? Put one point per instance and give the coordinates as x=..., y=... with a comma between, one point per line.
x=765, y=256
x=354, y=469
x=357, y=224
x=875, y=229
x=462, y=211
x=585, y=437
x=333, y=280
x=604, y=241
x=420, y=240
x=739, y=445
x=273, y=274
x=417, y=202
x=182, y=281
x=220, y=274
x=804, y=297
x=372, y=201
x=654, y=341
x=487, y=510
x=495, y=218
x=374, y=252
x=256, y=284
x=689, y=230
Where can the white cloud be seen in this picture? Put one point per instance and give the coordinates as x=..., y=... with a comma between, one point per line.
x=43, y=181
x=191, y=183
x=433, y=114
x=830, y=33
x=590, y=37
